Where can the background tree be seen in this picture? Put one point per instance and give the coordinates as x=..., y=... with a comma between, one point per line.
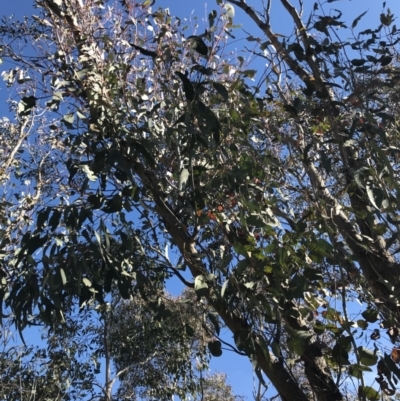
x=54, y=372
x=153, y=355
x=215, y=388
x=159, y=346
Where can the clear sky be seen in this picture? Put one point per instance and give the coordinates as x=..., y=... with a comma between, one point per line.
x=238, y=368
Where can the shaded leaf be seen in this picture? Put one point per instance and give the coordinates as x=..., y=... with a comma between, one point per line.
x=187, y=86
x=370, y=315
x=26, y=104
x=357, y=20
x=357, y=370
x=55, y=219
x=215, y=322
x=197, y=44
x=203, y=70
x=215, y=348
x=358, y=62
x=369, y=392
x=221, y=90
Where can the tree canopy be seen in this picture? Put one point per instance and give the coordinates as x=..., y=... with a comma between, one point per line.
x=140, y=151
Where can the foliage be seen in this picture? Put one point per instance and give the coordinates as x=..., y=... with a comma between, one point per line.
x=146, y=154
x=159, y=351
x=154, y=356
x=214, y=388
x=53, y=373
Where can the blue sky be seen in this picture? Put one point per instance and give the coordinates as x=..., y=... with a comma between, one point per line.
x=238, y=368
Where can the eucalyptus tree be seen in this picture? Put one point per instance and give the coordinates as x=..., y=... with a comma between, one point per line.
x=49, y=372
x=154, y=155
x=159, y=349
x=153, y=353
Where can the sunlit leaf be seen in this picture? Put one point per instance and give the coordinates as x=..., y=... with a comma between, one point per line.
x=358, y=370
x=201, y=286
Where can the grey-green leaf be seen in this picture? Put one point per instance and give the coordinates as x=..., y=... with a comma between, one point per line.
x=357, y=20
x=183, y=177
x=200, y=286
x=221, y=89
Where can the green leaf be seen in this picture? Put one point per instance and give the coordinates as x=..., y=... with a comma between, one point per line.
x=367, y=356
x=197, y=44
x=81, y=116
x=249, y=73
x=54, y=103
x=385, y=60
x=370, y=393
x=255, y=221
x=319, y=250
x=144, y=152
x=358, y=62
x=96, y=201
x=55, y=219
x=371, y=196
x=211, y=18
x=357, y=370
x=297, y=286
x=276, y=349
x=260, y=377
x=26, y=104
x=326, y=162
x=215, y=322
x=42, y=218
x=125, y=287
x=221, y=89
x=211, y=119
x=187, y=86
x=183, y=177
x=68, y=120
x=357, y=20
x=144, y=51
x=200, y=286
x=113, y=205
x=224, y=287
x=391, y=365
x=34, y=243
x=86, y=282
x=370, y=315
x=362, y=324
x=386, y=19
x=63, y=276
x=319, y=327
x=298, y=341
x=215, y=348
x=296, y=345
x=203, y=70
x=340, y=355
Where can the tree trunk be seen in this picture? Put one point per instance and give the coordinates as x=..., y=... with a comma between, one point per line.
x=286, y=385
